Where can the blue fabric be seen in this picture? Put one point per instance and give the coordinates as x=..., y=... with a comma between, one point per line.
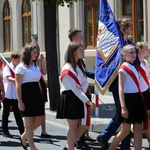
x=90, y=73
x=108, y=46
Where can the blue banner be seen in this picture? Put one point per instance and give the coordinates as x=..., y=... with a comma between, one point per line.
x=109, y=44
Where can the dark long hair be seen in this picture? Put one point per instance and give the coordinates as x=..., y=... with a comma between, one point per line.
x=72, y=47
x=26, y=54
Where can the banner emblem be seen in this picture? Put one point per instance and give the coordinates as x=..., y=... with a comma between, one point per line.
x=108, y=52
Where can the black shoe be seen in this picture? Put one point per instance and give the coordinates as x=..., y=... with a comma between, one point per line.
x=83, y=145
x=65, y=148
x=45, y=135
x=7, y=134
x=90, y=139
x=104, y=144
x=125, y=149
x=23, y=146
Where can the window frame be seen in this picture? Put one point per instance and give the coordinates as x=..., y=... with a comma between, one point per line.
x=6, y=19
x=26, y=14
x=94, y=4
x=134, y=18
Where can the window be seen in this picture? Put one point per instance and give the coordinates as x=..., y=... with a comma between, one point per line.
x=134, y=10
x=6, y=25
x=91, y=22
x=26, y=21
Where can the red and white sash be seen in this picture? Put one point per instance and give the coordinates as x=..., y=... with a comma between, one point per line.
x=87, y=118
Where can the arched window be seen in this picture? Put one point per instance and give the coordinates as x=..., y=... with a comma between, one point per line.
x=26, y=21
x=6, y=25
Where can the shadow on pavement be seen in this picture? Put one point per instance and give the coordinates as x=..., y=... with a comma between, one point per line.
x=10, y=143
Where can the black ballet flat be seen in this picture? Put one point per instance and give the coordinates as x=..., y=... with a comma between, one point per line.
x=24, y=146
x=65, y=148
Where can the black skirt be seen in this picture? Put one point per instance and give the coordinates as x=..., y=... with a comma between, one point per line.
x=32, y=99
x=44, y=89
x=146, y=96
x=69, y=106
x=136, y=109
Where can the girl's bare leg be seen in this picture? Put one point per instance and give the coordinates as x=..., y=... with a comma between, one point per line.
x=71, y=136
x=138, y=136
x=125, y=130
x=147, y=131
x=31, y=123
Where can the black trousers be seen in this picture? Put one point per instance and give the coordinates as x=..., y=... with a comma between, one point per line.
x=6, y=111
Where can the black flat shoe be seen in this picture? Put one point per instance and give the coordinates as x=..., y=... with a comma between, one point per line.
x=65, y=148
x=90, y=139
x=45, y=135
x=24, y=146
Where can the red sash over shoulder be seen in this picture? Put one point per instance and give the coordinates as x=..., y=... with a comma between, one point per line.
x=86, y=120
x=67, y=71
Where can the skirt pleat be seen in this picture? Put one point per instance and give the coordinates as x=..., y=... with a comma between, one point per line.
x=69, y=106
x=136, y=109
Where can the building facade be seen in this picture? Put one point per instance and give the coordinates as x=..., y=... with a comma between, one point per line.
x=22, y=21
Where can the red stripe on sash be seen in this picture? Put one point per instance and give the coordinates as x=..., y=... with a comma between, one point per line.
x=88, y=118
x=66, y=71
x=12, y=72
x=143, y=73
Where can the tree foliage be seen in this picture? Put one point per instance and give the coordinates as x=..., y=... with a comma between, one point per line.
x=60, y=2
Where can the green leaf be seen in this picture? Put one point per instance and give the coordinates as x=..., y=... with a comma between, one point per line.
x=61, y=2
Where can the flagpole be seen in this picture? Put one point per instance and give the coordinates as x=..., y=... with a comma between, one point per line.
x=6, y=62
x=96, y=102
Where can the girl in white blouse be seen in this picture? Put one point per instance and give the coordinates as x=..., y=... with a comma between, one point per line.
x=30, y=98
x=73, y=98
x=131, y=109
x=144, y=86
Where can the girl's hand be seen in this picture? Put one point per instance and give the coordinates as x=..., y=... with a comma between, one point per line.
x=40, y=59
x=79, y=87
x=124, y=112
x=21, y=106
x=89, y=103
x=3, y=95
x=41, y=56
x=93, y=105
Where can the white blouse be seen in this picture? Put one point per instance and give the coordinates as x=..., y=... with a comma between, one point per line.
x=68, y=83
x=143, y=84
x=30, y=74
x=10, y=88
x=130, y=86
